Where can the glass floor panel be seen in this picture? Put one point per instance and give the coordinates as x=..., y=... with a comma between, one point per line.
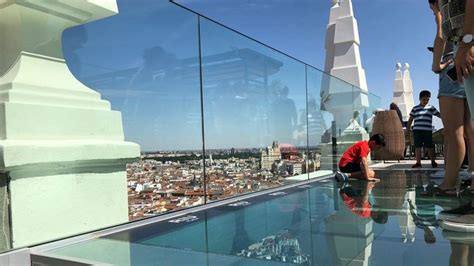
x=391, y=222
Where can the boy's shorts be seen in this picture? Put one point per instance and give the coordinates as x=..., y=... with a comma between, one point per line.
x=350, y=168
x=423, y=138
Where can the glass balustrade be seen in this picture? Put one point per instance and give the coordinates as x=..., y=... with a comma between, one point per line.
x=216, y=114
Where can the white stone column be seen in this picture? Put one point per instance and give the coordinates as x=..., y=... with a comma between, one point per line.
x=403, y=90
x=350, y=237
x=405, y=219
x=61, y=145
x=343, y=61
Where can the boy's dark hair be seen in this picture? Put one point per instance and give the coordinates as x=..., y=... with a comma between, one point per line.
x=425, y=94
x=379, y=139
x=431, y=1
x=378, y=216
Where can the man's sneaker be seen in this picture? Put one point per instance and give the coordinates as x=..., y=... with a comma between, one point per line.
x=434, y=164
x=417, y=165
x=341, y=177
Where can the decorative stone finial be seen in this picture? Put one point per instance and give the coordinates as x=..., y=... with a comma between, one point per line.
x=36, y=26
x=334, y=2
x=398, y=66
x=407, y=66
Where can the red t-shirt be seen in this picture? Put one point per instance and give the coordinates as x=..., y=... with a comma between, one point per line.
x=355, y=153
x=363, y=210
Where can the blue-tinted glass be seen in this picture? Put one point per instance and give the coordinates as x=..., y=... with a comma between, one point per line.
x=254, y=113
x=391, y=222
x=138, y=62
x=320, y=122
x=374, y=105
x=145, y=61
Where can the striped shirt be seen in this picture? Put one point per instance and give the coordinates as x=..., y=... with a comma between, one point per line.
x=423, y=117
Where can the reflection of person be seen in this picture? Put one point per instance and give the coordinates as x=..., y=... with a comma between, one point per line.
x=425, y=222
x=311, y=125
x=462, y=249
x=453, y=104
x=369, y=123
x=353, y=123
x=356, y=198
x=394, y=106
x=422, y=116
x=458, y=225
x=284, y=117
x=151, y=102
x=353, y=163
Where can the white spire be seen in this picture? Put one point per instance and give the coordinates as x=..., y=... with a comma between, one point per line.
x=406, y=73
x=398, y=72
x=403, y=90
x=343, y=61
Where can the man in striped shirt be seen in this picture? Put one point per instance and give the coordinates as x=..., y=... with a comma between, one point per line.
x=422, y=115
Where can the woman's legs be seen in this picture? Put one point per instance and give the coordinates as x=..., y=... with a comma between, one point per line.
x=469, y=135
x=452, y=114
x=459, y=254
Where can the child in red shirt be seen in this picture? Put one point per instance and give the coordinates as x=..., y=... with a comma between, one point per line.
x=356, y=198
x=353, y=163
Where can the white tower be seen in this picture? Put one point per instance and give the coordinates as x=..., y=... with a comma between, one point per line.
x=343, y=61
x=403, y=90
x=61, y=145
x=405, y=219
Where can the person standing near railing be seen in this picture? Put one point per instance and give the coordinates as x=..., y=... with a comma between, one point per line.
x=456, y=115
x=464, y=61
x=394, y=106
x=422, y=116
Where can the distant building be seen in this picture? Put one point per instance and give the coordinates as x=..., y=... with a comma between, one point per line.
x=270, y=155
x=296, y=168
x=288, y=151
x=280, y=168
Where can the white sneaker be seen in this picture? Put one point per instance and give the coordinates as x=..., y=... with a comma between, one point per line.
x=341, y=177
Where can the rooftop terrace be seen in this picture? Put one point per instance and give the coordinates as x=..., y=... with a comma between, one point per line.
x=317, y=222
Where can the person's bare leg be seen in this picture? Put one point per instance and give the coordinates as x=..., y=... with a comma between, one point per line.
x=418, y=155
x=459, y=254
x=361, y=175
x=469, y=134
x=453, y=121
x=470, y=257
x=431, y=153
x=445, y=151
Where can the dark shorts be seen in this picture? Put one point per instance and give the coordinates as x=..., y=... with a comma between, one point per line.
x=350, y=168
x=423, y=138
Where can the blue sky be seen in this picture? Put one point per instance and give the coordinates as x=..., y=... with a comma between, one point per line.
x=390, y=31
x=144, y=61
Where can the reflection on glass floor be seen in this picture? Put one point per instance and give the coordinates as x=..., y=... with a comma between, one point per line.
x=392, y=222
